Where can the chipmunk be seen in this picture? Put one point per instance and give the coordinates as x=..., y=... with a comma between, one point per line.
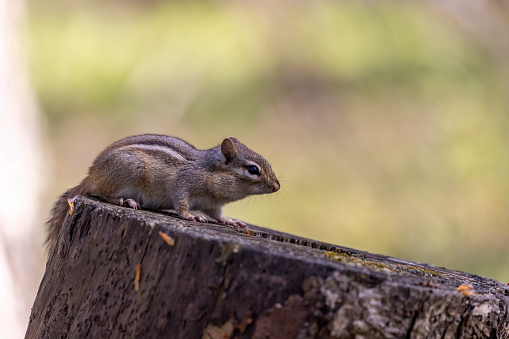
x=162, y=172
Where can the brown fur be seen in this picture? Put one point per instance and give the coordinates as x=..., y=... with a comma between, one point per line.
x=163, y=172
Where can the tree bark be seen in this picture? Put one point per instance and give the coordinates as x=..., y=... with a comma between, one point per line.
x=113, y=275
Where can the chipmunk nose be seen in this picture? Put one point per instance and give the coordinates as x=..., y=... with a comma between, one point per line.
x=276, y=187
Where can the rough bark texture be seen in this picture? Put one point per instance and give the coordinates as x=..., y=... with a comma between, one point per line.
x=215, y=282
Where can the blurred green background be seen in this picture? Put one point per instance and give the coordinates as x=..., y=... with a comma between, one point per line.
x=387, y=123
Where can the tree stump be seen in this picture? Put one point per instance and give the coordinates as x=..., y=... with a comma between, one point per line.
x=122, y=273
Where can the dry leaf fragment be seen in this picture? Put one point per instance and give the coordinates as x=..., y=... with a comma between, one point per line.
x=137, y=278
x=169, y=240
x=71, y=205
x=465, y=289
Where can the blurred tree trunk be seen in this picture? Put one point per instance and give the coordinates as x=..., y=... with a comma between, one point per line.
x=20, y=176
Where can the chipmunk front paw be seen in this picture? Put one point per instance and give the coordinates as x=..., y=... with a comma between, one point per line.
x=197, y=217
x=231, y=222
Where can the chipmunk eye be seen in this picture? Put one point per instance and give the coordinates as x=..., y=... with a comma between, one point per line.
x=253, y=170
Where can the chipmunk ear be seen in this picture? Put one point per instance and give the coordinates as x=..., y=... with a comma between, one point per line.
x=229, y=150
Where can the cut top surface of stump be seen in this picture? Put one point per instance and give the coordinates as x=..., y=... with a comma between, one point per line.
x=279, y=243
x=119, y=272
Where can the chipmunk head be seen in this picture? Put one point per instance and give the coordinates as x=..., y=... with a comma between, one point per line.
x=252, y=172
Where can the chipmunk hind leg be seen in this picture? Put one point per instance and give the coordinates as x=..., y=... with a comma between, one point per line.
x=117, y=178
x=128, y=202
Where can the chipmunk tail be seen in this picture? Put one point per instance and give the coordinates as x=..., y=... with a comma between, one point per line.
x=57, y=216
